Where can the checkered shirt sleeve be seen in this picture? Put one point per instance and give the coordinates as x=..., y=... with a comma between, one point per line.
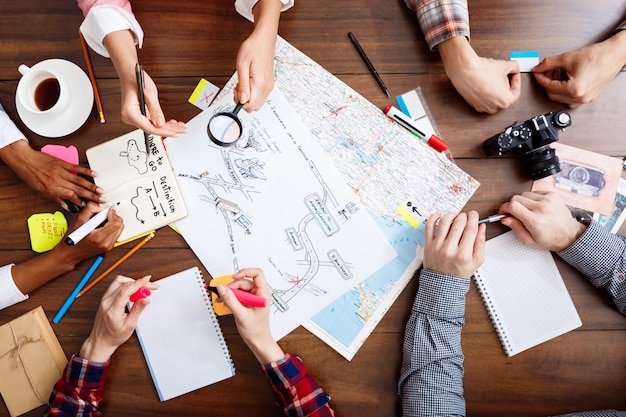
x=79, y=391
x=296, y=393
x=601, y=257
x=431, y=377
x=441, y=20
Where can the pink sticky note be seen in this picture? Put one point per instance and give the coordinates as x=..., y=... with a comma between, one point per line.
x=66, y=153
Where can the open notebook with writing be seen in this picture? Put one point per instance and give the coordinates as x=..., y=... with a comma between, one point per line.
x=181, y=337
x=524, y=294
x=144, y=183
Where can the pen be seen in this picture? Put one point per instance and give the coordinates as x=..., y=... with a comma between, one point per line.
x=493, y=219
x=70, y=300
x=368, y=63
x=115, y=265
x=142, y=101
x=405, y=121
x=92, y=77
x=86, y=228
x=243, y=296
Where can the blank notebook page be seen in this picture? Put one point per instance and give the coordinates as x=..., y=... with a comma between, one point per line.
x=181, y=338
x=524, y=294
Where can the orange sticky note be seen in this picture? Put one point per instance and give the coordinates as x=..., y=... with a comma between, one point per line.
x=220, y=308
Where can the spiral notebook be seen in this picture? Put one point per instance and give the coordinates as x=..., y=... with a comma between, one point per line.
x=181, y=337
x=524, y=294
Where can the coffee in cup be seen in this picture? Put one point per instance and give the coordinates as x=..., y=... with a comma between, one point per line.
x=42, y=90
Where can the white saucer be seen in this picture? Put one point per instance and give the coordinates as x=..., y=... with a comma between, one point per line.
x=78, y=110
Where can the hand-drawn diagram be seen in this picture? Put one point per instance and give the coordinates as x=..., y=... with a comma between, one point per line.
x=276, y=203
x=318, y=216
x=137, y=158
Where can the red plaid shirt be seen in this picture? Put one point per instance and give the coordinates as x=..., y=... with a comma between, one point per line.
x=79, y=391
x=441, y=20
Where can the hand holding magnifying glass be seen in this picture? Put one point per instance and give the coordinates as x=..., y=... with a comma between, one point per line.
x=225, y=128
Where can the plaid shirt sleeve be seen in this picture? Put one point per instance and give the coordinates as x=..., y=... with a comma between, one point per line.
x=441, y=20
x=79, y=391
x=296, y=393
x=431, y=377
x=601, y=257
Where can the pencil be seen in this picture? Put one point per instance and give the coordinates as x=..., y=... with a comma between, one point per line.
x=115, y=265
x=92, y=76
x=368, y=63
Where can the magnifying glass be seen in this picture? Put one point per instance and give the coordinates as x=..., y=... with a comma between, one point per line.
x=224, y=128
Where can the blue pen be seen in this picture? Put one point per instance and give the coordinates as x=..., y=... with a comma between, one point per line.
x=66, y=305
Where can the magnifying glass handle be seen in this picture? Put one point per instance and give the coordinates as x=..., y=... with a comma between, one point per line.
x=237, y=108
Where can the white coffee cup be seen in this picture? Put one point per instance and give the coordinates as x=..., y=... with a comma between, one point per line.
x=42, y=90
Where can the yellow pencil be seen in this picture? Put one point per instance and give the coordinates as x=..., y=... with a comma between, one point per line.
x=92, y=77
x=116, y=264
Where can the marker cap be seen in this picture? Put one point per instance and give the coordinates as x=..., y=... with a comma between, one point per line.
x=437, y=143
x=142, y=292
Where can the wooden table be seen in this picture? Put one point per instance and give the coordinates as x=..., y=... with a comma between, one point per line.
x=186, y=40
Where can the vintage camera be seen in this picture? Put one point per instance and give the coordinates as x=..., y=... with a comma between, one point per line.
x=531, y=140
x=580, y=179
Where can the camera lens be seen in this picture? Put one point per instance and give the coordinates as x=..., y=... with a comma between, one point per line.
x=579, y=175
x=541, y=163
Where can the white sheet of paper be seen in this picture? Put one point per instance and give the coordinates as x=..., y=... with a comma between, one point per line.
x=287, y=211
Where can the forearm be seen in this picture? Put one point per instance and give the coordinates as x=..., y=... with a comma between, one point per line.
x=601, y=257
x=266, y=17
x=431, y=378
x=32, y=274
x=14, y=153
x=121, y=47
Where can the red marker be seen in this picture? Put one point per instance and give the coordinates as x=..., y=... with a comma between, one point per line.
x=244, y=297
x=405, y=121
x=142, y=292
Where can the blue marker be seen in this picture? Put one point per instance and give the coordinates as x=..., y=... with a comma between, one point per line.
x=66, y=305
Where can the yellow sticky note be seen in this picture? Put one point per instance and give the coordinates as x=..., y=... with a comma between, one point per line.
x=406, y=215
x=220, y=308
x=46, y=230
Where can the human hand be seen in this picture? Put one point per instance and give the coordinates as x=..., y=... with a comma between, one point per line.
x=50, y=177
x=488, y=85
x=154, y=120
x=112, y=325
x=100, y=240
x=454, y=244
x=253, y=323
x=542, y=220
x=255, y=71
x=578, y=77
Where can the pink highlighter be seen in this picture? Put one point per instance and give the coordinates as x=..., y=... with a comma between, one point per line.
x=244, y=297
x=142, y=292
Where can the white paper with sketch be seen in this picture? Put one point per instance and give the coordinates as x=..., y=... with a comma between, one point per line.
x=144, y=184
x=524, y=294
x=279, y=204
x=181, y=337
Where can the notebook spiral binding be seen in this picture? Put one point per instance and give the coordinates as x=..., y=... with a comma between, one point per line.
x=209, y=304
x=493, y=315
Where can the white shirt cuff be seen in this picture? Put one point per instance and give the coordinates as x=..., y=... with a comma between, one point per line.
x=244, y=7
x=9, y=133
x=9, y=294
x=104, y=19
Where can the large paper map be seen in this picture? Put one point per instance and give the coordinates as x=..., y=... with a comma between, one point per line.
x=393, y=173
